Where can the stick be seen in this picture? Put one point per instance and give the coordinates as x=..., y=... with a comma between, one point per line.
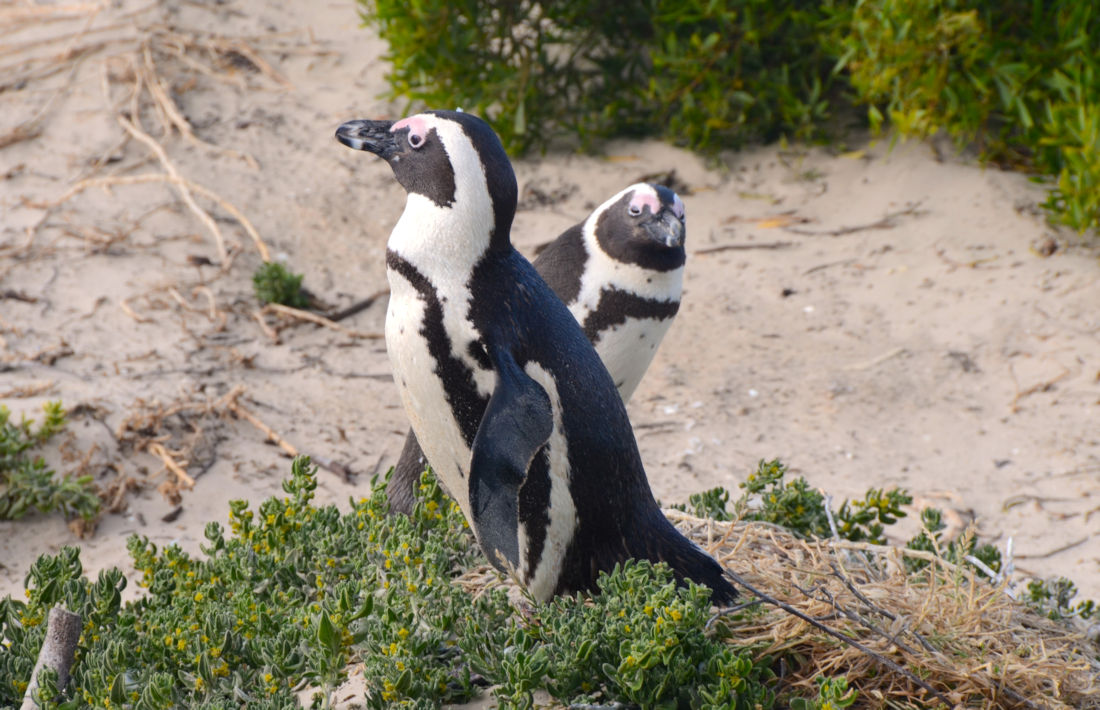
x=358, y=307
x=237, y=408
x=63, y=629
x=746, y=246
x=267, y=329
x=886, y=222
x=319, y=320
x=171, y=179
x=158, y=450
x=178, y=181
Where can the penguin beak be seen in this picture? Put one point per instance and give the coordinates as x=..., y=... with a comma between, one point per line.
x=666, y=229
x=371, y=136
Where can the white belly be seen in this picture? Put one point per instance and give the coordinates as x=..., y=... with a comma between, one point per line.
x=422, y=391
x=626, y=349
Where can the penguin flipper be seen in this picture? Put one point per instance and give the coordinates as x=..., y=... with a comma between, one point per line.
x=517, y=422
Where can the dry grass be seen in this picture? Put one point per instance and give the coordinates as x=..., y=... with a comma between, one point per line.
x=970, y=642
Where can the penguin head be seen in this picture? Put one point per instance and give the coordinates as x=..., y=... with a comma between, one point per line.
x=644, y=225
x=451, y=158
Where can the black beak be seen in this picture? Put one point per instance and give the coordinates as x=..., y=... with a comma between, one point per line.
x=666, y=229
x=371, y=136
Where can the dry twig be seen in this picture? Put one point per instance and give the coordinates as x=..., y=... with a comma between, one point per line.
x=887, y=222
x=299, y=314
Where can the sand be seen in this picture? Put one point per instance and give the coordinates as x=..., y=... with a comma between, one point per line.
x=873, y=317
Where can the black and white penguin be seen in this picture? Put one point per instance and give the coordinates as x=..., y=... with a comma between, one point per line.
x=518, y=416
x=620, y=272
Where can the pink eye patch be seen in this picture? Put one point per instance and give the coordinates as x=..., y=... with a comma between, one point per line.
x=416, y=124
x=645, y=198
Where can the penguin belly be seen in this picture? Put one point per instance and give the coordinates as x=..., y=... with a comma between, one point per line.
x=423, y=392
x=628, y=349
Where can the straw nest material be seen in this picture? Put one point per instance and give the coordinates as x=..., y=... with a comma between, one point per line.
x=941, y=636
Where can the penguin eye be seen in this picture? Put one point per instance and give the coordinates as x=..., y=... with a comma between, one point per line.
x=415, y=140
x=634, y=210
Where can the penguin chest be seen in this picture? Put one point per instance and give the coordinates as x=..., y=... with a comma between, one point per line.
x=443, y=390
x=629, y=348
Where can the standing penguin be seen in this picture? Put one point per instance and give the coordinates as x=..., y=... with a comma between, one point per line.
x=520, y=419
x=620, y=272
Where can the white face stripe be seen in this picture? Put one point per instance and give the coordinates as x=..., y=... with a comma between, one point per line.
x=543, y=580
x=427, y=236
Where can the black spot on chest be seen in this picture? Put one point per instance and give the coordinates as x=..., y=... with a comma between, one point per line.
x=458, y=380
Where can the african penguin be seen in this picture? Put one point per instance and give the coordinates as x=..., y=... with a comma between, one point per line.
x=517, y=415
x=620, y=272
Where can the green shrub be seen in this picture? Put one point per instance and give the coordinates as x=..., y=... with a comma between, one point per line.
x=26, y=483
x=930, y=539
x=798, y=507
x=641, y=640
x=699, y=73
x=1053, y=598
x=292, y=594
x=1021, y=80
x=274, y=283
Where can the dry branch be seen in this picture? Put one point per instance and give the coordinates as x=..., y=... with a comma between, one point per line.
x=746, y=247
x=118, y=180
x=179, y=183
x=887, y=222
x=230, y=403
x=160, y=452
x=964, y=627
x=299, y=314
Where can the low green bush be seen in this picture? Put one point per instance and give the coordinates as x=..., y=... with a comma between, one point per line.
x=274, y=283
x=27, y=484
x=797, y=506
x=699, y=73
x=291, y=595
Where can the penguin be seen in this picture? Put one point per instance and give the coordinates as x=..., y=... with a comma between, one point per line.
x=519, y=418
x=620, y=272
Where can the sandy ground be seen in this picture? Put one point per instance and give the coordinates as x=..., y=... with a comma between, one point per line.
x=873, y=318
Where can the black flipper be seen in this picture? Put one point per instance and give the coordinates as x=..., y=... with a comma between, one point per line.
x=518, y=421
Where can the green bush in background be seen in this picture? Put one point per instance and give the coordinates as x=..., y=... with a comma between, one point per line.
x=1018, y=79
x=696, y=72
